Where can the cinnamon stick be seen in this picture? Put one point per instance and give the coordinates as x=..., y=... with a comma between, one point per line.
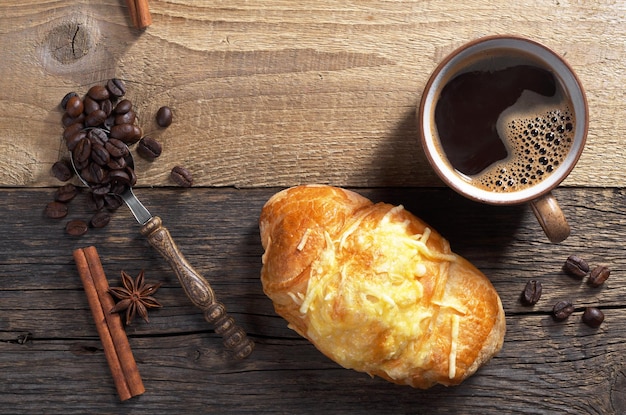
x=139, y=13
x=132, y=11
x=109, y=326
x=114, y=322
x=119, y=379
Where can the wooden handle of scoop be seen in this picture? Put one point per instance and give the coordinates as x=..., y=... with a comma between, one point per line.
x=198, y=289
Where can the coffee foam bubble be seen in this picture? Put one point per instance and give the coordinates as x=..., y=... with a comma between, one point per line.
x=538, y=135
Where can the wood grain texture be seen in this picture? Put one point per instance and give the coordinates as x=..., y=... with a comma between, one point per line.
x=276, y=93
x=51, y=360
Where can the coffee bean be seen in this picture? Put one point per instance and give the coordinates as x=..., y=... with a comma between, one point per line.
x=56, y=210
x=65, y=193
x=62, y=170
x=72, y=129
x=181, y=176
x=598, y=276
x=100, y=155
x=95, y=202
x=66, y=98
x=74, y=106
x=118, y=188
x=73, y=141
x=98, y=136
x=532, y=292
x=149, y=148
x=95, y=118
x=109, y=122
x=164, y=117
x=82, y=151
x=113, y=201
x=121, y=178
x=116, y=148
x=67, y=120
x=128, y=117
x=100, y=220
x=127, y=133
x=117, y=163
x=80, y=165
x=124, y=176
x=123, y=107
x=98, y=92
x=123, y=132
x=98, y=174
x=132, y=175
x=116, y=87
x=101, y=189
x=107, y=107
x=76, y=227
x=137, y=134
x=593, y=317
x=562, y=310
x=85, y=174
x=91, y=105
x=576, y=266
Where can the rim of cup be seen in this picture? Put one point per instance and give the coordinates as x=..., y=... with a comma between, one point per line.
x=448, y=68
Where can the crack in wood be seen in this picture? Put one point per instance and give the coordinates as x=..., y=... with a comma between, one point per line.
x=617, y=390
x=69, y=42
x=20, y=339
x=74, y=40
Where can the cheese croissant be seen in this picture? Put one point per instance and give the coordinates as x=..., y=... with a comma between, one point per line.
x=375, y=289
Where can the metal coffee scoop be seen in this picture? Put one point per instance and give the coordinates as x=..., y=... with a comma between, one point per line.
x=195, y=285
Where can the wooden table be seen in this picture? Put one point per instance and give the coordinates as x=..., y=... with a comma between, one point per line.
x=272, y=94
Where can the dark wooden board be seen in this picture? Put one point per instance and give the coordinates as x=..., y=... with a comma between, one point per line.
x=51, y=360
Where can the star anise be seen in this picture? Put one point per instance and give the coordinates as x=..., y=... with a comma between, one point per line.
x=135, y=297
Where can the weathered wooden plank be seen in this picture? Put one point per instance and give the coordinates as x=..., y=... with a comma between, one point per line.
x=278, y=93
x=218, y=232
x=51, y=358
x=555, y=372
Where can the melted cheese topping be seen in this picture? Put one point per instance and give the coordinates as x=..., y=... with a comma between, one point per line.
x=305, y=237
x=370, y=313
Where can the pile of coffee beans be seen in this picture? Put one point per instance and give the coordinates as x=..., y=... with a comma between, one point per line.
x=578, y=267
x=99, y=127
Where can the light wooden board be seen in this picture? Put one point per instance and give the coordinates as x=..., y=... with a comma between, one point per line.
x=278, y=92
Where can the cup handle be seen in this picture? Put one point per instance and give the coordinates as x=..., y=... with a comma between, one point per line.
x=551, y=218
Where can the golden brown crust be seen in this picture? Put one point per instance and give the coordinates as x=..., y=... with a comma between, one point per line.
x=375, y=289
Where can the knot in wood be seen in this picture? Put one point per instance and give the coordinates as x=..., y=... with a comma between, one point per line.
x=618, y=385
x=69, y=42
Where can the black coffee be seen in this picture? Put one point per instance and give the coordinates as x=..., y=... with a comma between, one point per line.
x=504, y=125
